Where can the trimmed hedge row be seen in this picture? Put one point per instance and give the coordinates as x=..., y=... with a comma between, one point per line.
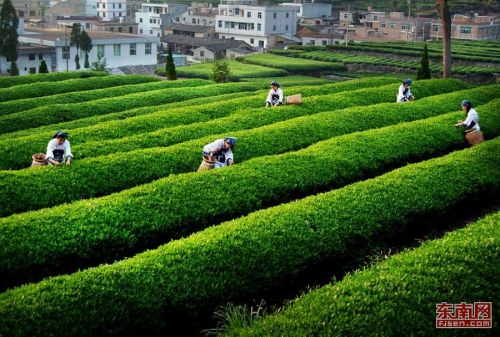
x=16, y=154
x=290, y=80
x=161, y=210
x=65, y=112
x=241, y=119
x=238, y=70
x=51, y=88
x=106, y=174
x=53, y=101
x=52, y=77
x=293, y=64
x=90, y=121
x=242, y=258
x=369, y=301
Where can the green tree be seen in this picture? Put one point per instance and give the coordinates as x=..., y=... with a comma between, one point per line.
x=86, y=45
x=221, y=71
x=100, y=64
x=75, y=40
x=170, y=66
x=43, y=68
x=8, y=35
x=424, y=72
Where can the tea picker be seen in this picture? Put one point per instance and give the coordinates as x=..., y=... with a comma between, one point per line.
x=218, y=154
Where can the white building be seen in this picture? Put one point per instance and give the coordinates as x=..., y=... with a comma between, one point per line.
x=260, y=26
x=311, y=9
x=110, y=10
x=29, y=58
x=153, y=18
x=200, y=14
x=118, y=49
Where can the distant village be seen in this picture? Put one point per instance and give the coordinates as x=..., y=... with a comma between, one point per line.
x=133, y=36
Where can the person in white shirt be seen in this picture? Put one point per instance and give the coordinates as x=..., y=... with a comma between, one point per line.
x=404, y=93
x=59, y=150
x=218, y=154
x=275, y=96
x=472, y=120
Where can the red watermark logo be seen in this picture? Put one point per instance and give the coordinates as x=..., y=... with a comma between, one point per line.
x=463, y=315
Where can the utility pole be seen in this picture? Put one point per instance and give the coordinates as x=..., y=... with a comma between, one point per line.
x=348, y=19
x=67, y=48
x=408, y=26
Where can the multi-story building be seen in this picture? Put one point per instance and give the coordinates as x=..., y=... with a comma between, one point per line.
x=153, y=18
x=109, y=10
x=28, y=9
x=310, y=10
x=469, y=28
x=260, y=26
x=200, y=14
x=371, y=25
x=118, y=49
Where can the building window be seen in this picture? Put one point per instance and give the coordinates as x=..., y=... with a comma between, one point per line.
x=150, y=32
x=130, y=30
x=65, y=53
x=220, y=23
x=313, y=43
x=261, y=44
x=148, y=48
x=274, y=28
x=117, y=49
x=435, y=28
x=287, y=15
x=237, y=11
x=242, y=26
x=382, y=24
x=202, y=53
x=393, y=25
x=251, y=41
x=111, y=29
x=103, y=14
x=259, y=26
x=259, y=15
x=31, y=57
x=32, y=70
x=193, y=21
x=286, y=27
x=374, y=17
x=113, y=6
x=100, y=50
x=133, y=49
x=323, y=42
x=274, y=15
x=345, y=16
x=140, y=20
x=120, y=6
x=40, y=56
x=249, y=14
x=465, y=29
x=405, y=26
x=119, y=29
x=140, y=31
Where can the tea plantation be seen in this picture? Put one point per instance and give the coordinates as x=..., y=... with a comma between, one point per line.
x=382, y=197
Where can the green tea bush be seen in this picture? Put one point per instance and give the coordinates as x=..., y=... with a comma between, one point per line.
x=39, y=89
x=90, y=95
x=17, y=154
x=383, y=298
x=293, y=64
x=66, y=112
x=176, y=205
x=243, y=257
x=10, y=81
